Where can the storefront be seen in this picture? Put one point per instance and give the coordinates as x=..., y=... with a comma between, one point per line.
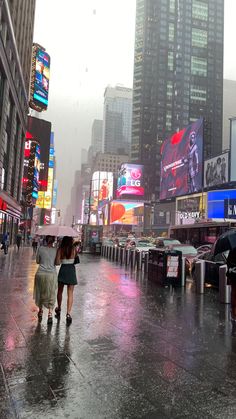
x=10, y=212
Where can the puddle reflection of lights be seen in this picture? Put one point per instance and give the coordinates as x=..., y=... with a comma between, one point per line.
x=208, y=285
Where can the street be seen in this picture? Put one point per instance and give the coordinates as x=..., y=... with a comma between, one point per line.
x=133, y=350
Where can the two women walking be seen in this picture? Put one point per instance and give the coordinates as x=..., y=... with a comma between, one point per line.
x=47, y=286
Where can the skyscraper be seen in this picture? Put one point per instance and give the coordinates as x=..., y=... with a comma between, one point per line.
x=178, y=76
x=16, y=36
x=117, y=120
x=97, y=135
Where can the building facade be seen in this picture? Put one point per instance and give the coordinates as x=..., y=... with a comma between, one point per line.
x=108, y=162
x=16, y=36
x=229, y=110
x=96, y=140
x=117, y=120
x=178, y=77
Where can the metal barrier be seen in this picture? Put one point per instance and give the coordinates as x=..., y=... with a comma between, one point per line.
x=122, y=256
x=127, y=256
x=224, y=288
x=200, y=276
x=119, y=254
x=115, y=253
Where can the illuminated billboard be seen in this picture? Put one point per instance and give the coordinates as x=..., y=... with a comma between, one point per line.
x=216, y=170
x=182, y=162
x=127, y=213
x=101, y=189
x=40, y=75
x=130, y=180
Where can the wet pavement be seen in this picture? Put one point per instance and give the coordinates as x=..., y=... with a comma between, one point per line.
x=133, y=350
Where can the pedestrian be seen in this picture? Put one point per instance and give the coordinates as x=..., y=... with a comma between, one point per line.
x=5, y=243
x=231, y=279
x=67, y=275
x=45, y=283
x=18, y=240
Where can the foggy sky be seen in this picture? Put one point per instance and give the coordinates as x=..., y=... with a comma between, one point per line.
x=91, y=44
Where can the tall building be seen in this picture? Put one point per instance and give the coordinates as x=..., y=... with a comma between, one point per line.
x=229, y=110
x=16, y=36
x=97, y=135
x=117, y=120
x=178, y=76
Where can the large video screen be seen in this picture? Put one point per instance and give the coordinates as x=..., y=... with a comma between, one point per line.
x=128, y=213
x=101, y=190
x=130, y=180
x=182, y=162
x=42, y=76
x=216, y=170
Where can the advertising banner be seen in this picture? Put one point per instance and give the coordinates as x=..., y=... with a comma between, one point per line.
x=216, y=170
x=130, y=180
x=101, y=189
x=230, y=209
x=216, y=202
x=40, y=75
x=182, y=162
x=128, y=213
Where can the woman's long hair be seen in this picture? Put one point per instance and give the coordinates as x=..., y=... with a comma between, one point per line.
x=66, y=247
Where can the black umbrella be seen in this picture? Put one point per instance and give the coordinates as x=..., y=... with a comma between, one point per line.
x=227, y=241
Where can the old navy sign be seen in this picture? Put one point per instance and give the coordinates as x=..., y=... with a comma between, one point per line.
x=192, y=214
x=230, y=208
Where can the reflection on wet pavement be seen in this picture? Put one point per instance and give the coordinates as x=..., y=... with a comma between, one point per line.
x=132, y=351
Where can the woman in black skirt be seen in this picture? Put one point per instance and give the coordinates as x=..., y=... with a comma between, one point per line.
x=67, y=275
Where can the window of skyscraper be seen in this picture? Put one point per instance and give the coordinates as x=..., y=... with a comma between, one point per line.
x=197, y=94
x=200, y=10
x=170, y=60
x=171, y=32
x=198, y=66
x=199, y=38
x=172, y=6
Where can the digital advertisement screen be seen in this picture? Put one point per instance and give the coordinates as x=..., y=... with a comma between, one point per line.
x=216, y=170
x=42, y=76
x=216, y=202
x=101, y=190
x=128, y=213
x=182, y=162
x=130, y=180
x=40, y=131
x=233, y=150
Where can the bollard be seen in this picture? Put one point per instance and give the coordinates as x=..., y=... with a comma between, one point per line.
x=183, y=278
x=102, y=250
x=111, y=251
x=122, y=256
x=139, y=259
x=224, y=288
x=132, y=259
x=200, y=276
x=119, y=254
x=115, y=253
x=105, y=252
x=146, y=257
x=127, y=257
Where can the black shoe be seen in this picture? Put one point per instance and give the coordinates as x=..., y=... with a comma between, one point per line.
x=57, y=313
x=40, y=315
x=50, y=319
x=68, y=319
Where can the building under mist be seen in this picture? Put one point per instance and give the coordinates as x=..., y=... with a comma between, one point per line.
x=16, y=36
x=178, y=76
x=117, y=120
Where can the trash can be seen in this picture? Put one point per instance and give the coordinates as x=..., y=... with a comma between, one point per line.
x=98, y=248
x=165, y=267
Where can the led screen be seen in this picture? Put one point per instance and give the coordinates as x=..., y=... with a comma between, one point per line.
x=216, y=202
x=101, y=190
x=233, y=150
x=182, y=162
x=216, y=170
x=128, y=213
x=42, y=76
x=130, y=180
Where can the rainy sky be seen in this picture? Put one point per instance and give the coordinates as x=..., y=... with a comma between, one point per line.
x=91, y=45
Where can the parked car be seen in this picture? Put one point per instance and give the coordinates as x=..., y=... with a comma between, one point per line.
x=165, y=242
x=189, y=252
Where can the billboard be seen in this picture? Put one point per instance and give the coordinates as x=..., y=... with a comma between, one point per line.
x=230, y=209
x=128, y=213
x=217, y=201
x=40, y=75
x=40, y=131
x=233, y=149
x=101, y=189
x=130, y=180
x=182, y=162
x=216, y=170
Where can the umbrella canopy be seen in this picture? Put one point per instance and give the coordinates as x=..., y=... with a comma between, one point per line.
x=57, y=231
x=227, y=241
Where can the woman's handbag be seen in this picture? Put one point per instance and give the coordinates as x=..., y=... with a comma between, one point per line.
x=77, y=260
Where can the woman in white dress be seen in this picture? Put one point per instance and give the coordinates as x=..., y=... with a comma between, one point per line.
x=45, y=283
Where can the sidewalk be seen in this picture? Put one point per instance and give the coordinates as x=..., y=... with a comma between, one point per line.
x=132, y=351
